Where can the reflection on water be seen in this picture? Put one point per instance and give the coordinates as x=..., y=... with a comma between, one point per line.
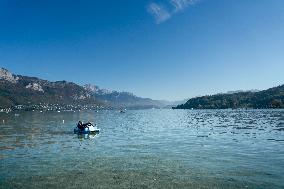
x=87, y=136
x=144, y=149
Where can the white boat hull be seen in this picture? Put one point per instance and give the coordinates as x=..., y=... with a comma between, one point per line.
x=87, y=130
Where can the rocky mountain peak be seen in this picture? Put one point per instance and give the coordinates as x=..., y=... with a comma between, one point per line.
x=96, y=90
x=91, y=88
x=35, y=87
x=8, y=76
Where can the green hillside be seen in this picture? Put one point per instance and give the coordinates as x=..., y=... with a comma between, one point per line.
x=270, y=98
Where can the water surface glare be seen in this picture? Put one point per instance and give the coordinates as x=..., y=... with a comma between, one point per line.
x=144, y=149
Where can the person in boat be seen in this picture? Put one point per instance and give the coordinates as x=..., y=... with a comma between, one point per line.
x=82, y=126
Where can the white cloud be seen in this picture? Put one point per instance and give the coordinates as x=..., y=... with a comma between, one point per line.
x=181, y=4
x=160, y=13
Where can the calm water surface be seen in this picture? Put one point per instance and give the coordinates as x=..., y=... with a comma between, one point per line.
x=144, y=149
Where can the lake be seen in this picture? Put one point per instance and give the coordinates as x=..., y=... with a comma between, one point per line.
x=144, y=149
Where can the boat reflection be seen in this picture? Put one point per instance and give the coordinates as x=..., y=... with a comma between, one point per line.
x=87, y=136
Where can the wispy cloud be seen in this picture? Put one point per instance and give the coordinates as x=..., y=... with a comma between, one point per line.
x=162, y=14
x=181, y=4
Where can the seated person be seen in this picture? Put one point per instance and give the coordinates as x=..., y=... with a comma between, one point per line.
x=82, y=126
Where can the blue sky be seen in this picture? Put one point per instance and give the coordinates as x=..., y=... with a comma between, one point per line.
x=163, y=49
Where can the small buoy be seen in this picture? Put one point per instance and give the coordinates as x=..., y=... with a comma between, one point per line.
x=63, y=121
x=3, y=121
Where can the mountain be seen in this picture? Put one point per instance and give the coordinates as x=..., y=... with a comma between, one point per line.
x=122, y=99
x=270, y=98
x=23, y=92
x=31, y=91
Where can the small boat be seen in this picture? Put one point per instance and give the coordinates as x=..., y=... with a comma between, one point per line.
x=87, y=130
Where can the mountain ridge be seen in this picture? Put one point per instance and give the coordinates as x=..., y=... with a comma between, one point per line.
x=270, y=98
x=32, y=92
x=122, y=99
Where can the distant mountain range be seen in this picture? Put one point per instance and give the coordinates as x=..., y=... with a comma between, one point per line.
x=270, y=98
x=30, y=93
x=23, y=92
x=122, y=99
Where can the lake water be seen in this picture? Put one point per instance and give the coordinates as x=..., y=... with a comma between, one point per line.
x=144, y=149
